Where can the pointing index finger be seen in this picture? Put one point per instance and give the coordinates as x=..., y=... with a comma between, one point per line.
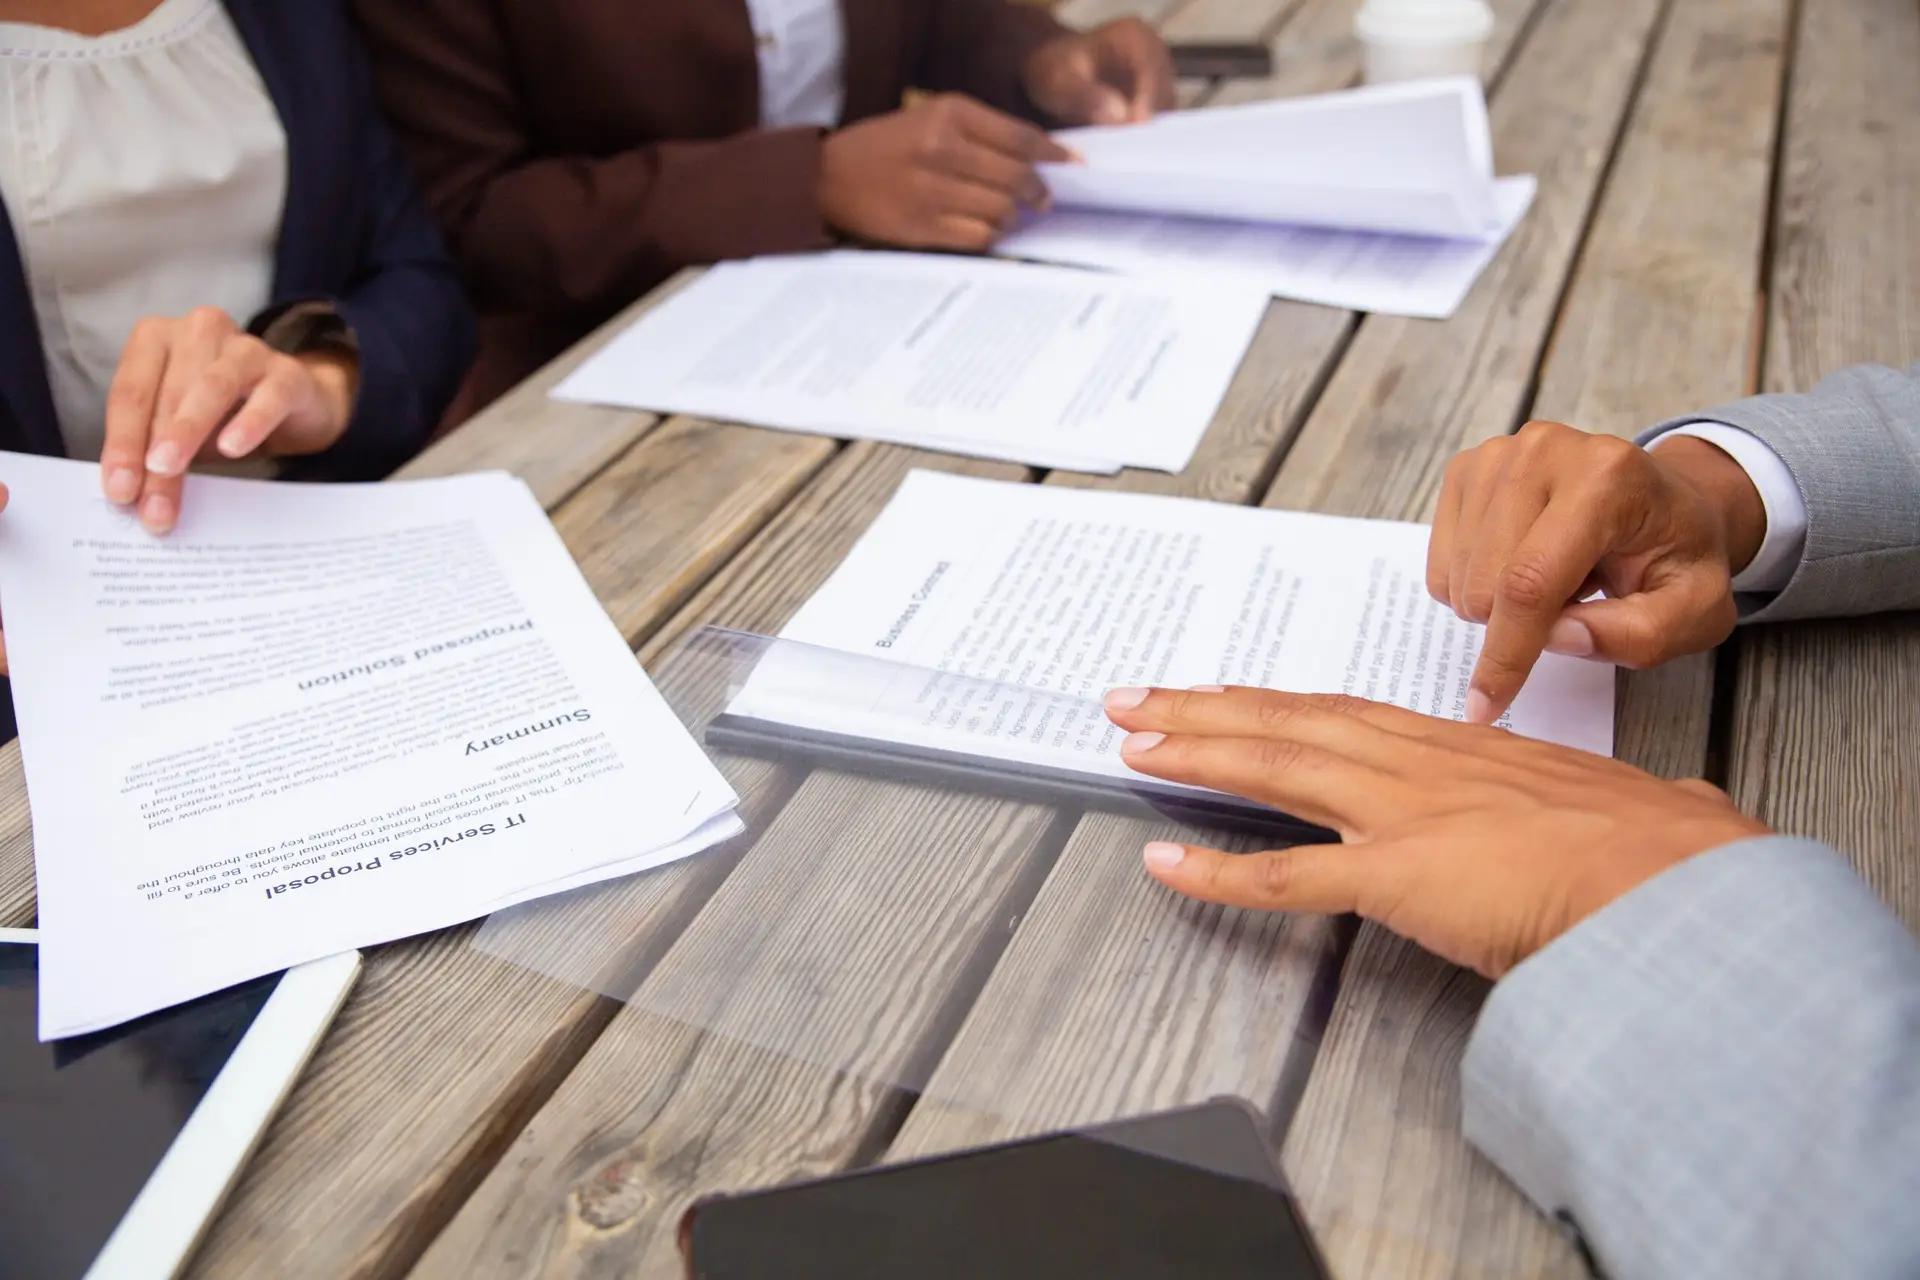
x=1542, y=576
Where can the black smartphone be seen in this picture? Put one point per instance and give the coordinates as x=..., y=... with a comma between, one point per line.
x=1191, y=1194
x=1208, y=61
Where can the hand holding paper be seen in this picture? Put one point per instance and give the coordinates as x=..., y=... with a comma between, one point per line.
x=1377, y=199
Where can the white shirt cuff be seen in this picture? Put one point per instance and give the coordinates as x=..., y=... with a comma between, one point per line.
x=1773, y=565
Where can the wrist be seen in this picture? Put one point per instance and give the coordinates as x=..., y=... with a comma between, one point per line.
x=337, y=377
x=1724, y=485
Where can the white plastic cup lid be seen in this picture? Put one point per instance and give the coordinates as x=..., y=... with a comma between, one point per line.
x=1448, y=21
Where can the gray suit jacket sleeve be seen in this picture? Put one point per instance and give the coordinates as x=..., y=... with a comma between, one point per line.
x=1717, y=1075
x=1853, y=445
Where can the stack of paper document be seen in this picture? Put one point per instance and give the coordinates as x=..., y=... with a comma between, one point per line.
x=312, y=719
x=1377, y=199
x=1046, y=366
x=1032, y=589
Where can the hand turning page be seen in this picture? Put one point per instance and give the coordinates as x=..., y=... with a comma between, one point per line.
x=1381, y=199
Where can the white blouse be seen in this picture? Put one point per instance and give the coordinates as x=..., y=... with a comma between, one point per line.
x=802, y=45
x=145, y=172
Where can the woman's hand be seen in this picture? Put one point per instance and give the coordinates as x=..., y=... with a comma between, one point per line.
x=1480, y=845
x=944, y=173
x=198, y=384
x=1120, y=73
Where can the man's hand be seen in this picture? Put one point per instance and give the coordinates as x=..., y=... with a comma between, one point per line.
x=192, y=384
x=1479, y=845
x=1530, y=525
x=945, y=173
x=1120, y=73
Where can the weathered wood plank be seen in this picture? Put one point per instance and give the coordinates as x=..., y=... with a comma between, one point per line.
x=1664, y=309
x=1226, y=20
x=1634, y=343
x=1315, y=51
x=552, y=445
x=444, y=1052
x=821, y=1024
x=1117, y=998
x=1374, y=1150
x=1825, y=734
x=654, y=526
x=1412, y=393
x=1121, y=952
x=1086, y=14
x=537, y=1192
x=16, y=842
x=468, y=1046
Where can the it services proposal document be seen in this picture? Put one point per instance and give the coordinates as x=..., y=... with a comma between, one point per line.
x=314, y=718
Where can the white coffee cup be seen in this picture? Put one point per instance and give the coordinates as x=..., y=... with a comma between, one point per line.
x=1418, y=39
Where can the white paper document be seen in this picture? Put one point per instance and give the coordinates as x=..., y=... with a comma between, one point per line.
x=1423, y=276
x=1375, y=199
x=1046, y=366
x=315, y=718
x=1075, y=592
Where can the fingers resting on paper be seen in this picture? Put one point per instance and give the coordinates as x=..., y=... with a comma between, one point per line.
x=197, y=385
x=1478, y=844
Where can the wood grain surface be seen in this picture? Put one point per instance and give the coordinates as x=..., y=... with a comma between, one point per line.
x=1375, y=1149
x=553, y=445
x=534, y=1193
x=1108, y=955
x=471, y=1115
x=462, y=1045
x=1825, y=734
x=16, y=842
x=539, y=1184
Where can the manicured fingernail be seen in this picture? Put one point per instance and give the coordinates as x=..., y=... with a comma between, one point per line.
x=164, y=459
x=1162, y=855
x=1209, y=688
x=123, y=485
x=1125, y=699
x=1138, y=742
x=1480, y=709
x=1571, y=637
x=157, y=513
x=231, y=443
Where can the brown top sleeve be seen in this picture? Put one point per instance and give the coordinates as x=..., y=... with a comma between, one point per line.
x=980, y=47
x=572, y=235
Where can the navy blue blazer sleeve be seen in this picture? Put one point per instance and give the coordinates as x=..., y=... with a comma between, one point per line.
x=357, y=236
x=415, y=330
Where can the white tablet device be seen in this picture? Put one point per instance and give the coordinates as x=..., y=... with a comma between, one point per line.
x=120, y=1145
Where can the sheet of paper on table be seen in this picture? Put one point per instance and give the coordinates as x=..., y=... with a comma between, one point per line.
x=311, y=719
x=1074, y=591
x=1377, y=199
x=1046, y=366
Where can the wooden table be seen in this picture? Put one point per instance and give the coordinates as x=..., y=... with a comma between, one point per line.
x=1726, y=204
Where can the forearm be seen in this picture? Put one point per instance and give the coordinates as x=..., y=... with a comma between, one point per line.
x=1714, y=1075
x=579, y=238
